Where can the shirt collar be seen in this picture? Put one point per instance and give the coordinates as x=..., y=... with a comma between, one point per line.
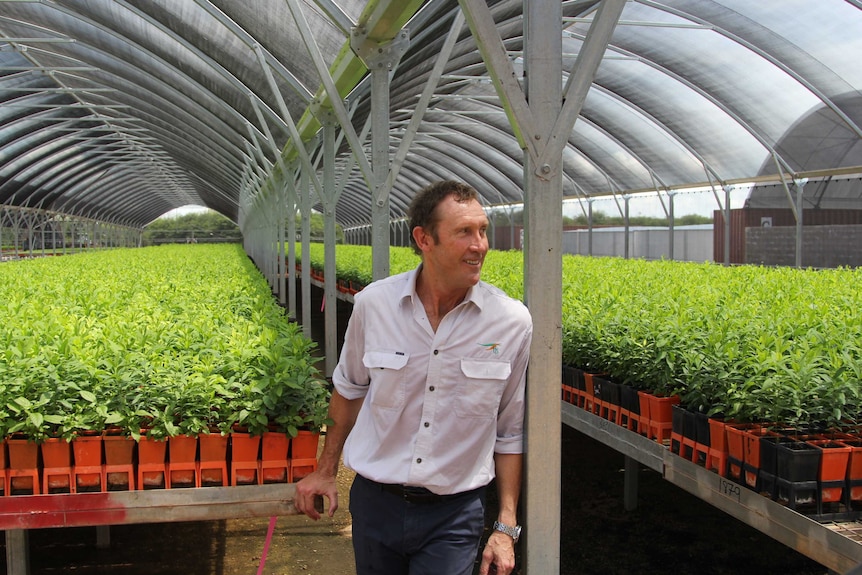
x=474, y=295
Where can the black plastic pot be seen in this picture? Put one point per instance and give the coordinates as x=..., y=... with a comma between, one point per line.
x=690, y=429
x=797, y=461
x=610, y=391
x=678, y=428
x=571, y=376
x=629, y=398
x=797, y=464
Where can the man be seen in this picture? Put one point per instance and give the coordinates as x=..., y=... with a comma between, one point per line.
x=428, y=404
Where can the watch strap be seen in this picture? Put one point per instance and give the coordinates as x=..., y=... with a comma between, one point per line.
x=513, y=532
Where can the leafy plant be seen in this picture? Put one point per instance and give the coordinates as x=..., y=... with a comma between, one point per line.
x=167, y=339
x=746, y=342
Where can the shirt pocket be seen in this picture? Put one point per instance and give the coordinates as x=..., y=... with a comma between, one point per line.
x=478, y=395
x=386, y=370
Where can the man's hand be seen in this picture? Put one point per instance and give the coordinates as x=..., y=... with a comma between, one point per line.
x=308, y=488
x=499, y=552
x=342, y=412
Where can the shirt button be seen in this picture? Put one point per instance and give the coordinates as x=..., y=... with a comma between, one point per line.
x=436, y=351
x=418, y=460
x=431, y=388
x=427, y=424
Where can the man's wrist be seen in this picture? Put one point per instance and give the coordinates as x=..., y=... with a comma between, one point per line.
x=513, y=531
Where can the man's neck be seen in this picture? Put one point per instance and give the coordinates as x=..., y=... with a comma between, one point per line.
x=436, y=300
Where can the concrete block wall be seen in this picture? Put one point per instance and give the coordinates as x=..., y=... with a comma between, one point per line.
x=822, y=246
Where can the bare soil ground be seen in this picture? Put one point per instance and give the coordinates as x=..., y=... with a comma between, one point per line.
x=670, y=532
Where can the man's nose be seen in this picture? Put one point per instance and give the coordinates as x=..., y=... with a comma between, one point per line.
x=479, y=240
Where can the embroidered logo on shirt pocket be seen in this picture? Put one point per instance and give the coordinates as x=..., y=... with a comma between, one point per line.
x=480, y=392
x=387, y=379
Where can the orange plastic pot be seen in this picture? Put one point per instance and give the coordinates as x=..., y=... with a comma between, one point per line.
x=244, y=458
x=182, y=470
x=119, y=449
x=854, y=467
x=87, y=449
x=569, y=394
x=152, y=468
x=56, y=466
x=304, y=445
x=213, y=458
x=23, y=465
x=736, y=448
x=274, y=449
x=119, y=460
x=591, y=404
x=303, y=454
x=751, y=444
x=834, y=462
x=661, y=416
x=661, y=407
x=716, y=459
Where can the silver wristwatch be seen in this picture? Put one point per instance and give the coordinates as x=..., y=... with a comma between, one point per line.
x=513, y=532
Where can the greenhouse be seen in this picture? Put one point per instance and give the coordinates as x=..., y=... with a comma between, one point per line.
x=117, y=112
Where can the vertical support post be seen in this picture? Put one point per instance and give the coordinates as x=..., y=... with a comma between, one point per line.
x=630, y=486
x=726, y=225
x=17, y=552
x=671, y=222
x=291, y=247
x=330, y=316
x=16, y=232
x=103, y=536
x=543, y=211
x=305, y=210
x=800, y=186
x=380, y=58
x=281, y=211
x=269, y=237
x=380, y=167
x=626, y=227
x=275, y=245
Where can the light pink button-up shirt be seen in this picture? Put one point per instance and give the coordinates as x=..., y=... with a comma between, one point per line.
x=437, y=405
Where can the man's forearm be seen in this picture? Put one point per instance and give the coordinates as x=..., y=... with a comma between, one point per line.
x=508, y=467
x=342, y=412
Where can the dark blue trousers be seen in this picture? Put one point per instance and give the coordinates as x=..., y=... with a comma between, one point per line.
x=394, y=536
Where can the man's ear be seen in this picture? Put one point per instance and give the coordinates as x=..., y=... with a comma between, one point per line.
x=422, y=239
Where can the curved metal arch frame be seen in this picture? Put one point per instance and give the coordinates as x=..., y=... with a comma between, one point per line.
x=426, y=21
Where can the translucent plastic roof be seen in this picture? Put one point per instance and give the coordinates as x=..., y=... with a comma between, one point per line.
x=122, y=110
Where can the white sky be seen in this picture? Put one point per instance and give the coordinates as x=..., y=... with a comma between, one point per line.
x=700, y=202
x=184, y=210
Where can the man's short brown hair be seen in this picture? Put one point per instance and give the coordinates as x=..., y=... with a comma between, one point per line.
x=423, y=209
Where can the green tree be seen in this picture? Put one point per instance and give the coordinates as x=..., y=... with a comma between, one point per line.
x=317, y=228
x=206, y=227
x=602, y=219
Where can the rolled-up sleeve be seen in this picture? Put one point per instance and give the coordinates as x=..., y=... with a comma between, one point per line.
x=510, y=419
x=351, y=377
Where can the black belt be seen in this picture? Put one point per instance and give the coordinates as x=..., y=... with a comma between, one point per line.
x=414, y=494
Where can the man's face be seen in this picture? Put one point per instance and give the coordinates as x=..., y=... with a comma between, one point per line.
x=457, y=255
